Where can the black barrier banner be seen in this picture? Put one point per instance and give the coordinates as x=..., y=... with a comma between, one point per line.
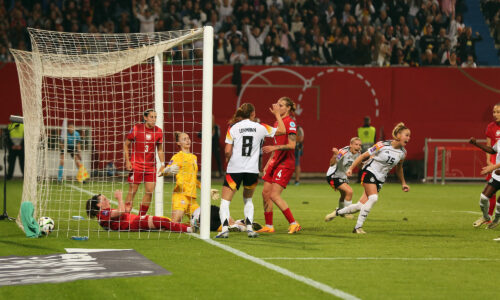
x=75, y=265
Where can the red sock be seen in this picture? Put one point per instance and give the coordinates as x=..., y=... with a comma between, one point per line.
x=493, y=202
x=269, y=217
x=143, y=210
x=288, y=215
x=163, y=223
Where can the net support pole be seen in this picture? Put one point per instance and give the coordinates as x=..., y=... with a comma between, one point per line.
x=443, y=165
x=158, y=64
x=206, y=130
x=426, y=157
x=436, y=153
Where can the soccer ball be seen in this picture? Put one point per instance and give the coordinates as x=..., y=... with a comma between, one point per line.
x=46, y=225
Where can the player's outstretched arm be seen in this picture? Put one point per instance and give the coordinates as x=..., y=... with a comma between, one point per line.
x=116, y=213
x=401, y=176
x=485, y=148
x=357, y=161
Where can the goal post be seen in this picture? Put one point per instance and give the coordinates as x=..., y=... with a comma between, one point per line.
x=101, y=84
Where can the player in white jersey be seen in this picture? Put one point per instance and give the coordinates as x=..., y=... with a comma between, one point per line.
x=243, y=143
x=383, y=156
x=335, y=176
x=491, y=187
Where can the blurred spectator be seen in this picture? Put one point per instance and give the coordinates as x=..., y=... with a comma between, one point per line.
x=469, y=63
x=429, y=59
x=146, y=18
x=255, y=39
x=467, y=44
x=451, y=60
x=222, y=49
x=274, y=59
x=239, y=56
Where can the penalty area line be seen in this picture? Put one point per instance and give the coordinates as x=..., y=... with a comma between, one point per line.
x=315, y=284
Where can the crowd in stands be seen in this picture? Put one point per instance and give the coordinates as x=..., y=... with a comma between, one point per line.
x=271, y=32
x=491, y=11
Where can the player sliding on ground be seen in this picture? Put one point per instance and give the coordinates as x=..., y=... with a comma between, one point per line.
x=491, y=187
x=335, y=176
x=383, y=157
x=279, y=169
x=185, y=167
x=243, y=140
x=118, y=219
x=144, y=139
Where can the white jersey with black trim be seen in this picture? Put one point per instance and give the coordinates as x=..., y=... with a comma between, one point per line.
x=345, y=158
x=246, y=137
x=383, y=158
x=496, y=147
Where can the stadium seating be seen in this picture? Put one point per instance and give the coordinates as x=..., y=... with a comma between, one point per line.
x=305, y=32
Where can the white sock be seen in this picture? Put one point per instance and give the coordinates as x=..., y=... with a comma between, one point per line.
x=351, y=209
x=341, y=204
x=224, y=214
x=347, y=203
x=248, y=211
x=365, y=210
x=484, y=204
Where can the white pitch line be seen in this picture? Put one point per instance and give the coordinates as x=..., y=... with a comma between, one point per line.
x=318, y=285
x=387, y=258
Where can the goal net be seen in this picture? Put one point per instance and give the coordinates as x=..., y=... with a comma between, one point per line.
x=452, y=159
x=83, y=93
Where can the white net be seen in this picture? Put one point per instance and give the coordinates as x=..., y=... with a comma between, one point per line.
x=97, y=86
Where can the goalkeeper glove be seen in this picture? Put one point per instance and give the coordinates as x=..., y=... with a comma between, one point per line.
x=214, y=194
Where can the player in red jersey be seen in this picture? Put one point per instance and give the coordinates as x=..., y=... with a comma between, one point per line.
x=118, y=219
x=492, y=136
x=279, y=168
x=144, y=138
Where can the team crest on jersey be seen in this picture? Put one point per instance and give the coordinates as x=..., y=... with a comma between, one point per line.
x=105, y=213
x=148, y=136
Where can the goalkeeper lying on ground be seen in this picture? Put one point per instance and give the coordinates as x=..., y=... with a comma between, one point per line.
x=117, y=219
x=215, y=225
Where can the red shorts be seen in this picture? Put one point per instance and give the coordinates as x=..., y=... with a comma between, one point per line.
x=137, y=176
x=278, y=174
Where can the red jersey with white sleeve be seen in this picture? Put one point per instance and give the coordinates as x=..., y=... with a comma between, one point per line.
x=284, y=158
x=144, y=140
x=493, y=133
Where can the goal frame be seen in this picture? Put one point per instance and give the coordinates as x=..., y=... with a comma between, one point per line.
x=29, y=65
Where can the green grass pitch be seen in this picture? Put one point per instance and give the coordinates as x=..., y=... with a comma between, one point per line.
x=420, y=245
